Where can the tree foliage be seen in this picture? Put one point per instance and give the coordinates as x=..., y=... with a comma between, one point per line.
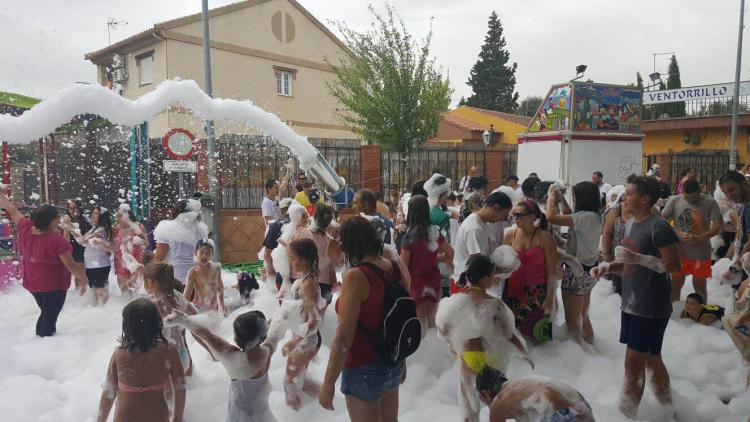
x=492, y=79
x=530, y=105
x=673, y=81
x=391, y=91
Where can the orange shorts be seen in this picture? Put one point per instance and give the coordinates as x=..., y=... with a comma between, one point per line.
x=700, y=268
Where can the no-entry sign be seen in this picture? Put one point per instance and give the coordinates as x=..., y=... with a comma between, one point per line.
x=179, y=144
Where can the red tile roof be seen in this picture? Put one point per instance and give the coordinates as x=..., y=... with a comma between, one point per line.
x=464, y=123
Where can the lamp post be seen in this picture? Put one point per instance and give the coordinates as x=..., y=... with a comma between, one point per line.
x=736, y=102
x=211, y=153
x=660, y=54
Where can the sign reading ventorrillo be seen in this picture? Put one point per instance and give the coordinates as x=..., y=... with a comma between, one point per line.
x=704, y=92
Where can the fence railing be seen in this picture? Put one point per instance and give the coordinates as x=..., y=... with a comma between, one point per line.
x=708, y=165
x=695, y=108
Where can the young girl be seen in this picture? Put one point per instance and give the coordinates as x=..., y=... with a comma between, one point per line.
x=204, y=286
x=479, y=328
x=329, y=250
x=583, y=243
x=421, y=249
x=159, y=281
x=304, y=313
x=246, y=363
x=98, y=244
x=130, y=240
x=74, y=223
x=141, y=368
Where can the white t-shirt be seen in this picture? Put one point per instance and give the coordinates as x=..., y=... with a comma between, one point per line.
x=180, y=257
x=584, y=237
x=604, y=189
x=94, y=256
x=270, y=208
x=473, y=237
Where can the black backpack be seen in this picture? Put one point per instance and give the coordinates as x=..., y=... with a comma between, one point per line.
x=400, y=333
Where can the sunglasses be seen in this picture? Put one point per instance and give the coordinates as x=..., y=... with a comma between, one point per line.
x=520, y=214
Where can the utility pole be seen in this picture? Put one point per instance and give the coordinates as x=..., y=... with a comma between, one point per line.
x=210, y=142
x=736, y=102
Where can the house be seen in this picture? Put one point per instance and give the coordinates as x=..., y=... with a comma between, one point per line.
x=465, y=125
x=272, y=52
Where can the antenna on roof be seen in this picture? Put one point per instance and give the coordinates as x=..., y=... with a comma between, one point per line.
x=112, y=24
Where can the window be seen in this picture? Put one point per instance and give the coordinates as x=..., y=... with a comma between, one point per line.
x=145, y=63
x=284, y=82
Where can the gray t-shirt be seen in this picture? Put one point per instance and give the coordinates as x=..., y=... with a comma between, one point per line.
x=583, y=240
x=695, y=219
x=645, y=292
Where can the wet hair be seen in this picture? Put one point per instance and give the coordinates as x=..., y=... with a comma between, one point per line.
x=323, y=217
x=500, y=199
x=79, y=205
x=587, y=197
x=141, y=326
x=368, y=199
x=270, y=183
x=540, y=191
x=179, y=208
x=477, y=183
x=147, y=257
x=43, y=217
x=307, y=251
x=162, y=274
x=598, y=173
x=204, y=243
x=250, y=327
x=452, y=196
x=418, y=188
x=691, y=186
x=418, y=218
x=698, y=298
x=732, y=177
x=646, y=185
x=359, y=239
x=105, y=222
x=477, y=267
x=491, y=380
x=532, y=208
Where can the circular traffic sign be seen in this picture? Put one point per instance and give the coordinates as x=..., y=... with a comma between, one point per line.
x=179, y=144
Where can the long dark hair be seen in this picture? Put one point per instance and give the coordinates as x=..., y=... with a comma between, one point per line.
x=105, y=222
x=43, y=216
x=587, y=197
x=323, y=217
x=359, y=239
x=306, y=250
x=533, y=208
x=141, y=326
x=477, y=267
x=418, y=217
x=179, y=208
x=79, y=205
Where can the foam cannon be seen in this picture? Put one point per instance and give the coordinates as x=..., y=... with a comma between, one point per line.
x=324, y=173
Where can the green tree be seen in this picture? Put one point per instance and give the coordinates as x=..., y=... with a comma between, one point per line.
x=391, y=91
x=529, y=105
x=492, y=79
x=638, y=80
x=673, y=81
x=660, y=110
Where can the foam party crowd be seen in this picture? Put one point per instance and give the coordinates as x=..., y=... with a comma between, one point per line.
x=440, y=301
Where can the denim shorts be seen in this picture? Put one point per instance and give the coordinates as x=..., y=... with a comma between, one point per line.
x=369, y=381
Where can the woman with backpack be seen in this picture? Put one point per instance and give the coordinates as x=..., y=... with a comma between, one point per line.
x=370, y=377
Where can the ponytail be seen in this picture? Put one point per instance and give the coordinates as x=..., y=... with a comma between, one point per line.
x=462, y=280
x=543, y=224
x=477, y=267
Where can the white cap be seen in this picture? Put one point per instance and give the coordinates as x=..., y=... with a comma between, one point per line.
x=285, y=203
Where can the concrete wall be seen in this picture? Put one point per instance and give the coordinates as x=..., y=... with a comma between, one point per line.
x=662, y=141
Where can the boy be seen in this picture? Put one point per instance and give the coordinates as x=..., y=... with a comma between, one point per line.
x=697, y=310
x=204, y=286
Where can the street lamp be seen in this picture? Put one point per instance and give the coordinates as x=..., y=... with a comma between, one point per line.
x=580, y=69
x=486, y=137
x=660, y=54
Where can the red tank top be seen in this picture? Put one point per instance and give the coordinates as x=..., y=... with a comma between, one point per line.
x=532, y=272
x=370, y=316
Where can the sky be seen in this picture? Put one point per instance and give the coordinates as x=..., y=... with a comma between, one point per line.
x=44, y=41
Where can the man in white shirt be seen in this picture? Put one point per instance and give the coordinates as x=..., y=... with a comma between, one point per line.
x=464, y=185
x=598, y=178
x=270, y=206
x=474, y=234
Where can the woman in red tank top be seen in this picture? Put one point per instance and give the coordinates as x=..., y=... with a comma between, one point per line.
x=530, y=291
x=369, y=383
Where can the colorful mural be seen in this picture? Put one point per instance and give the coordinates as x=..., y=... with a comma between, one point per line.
x=605, y=108
x=555, y=111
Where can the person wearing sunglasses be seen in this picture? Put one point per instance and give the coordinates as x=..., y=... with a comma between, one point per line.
x=530, y=292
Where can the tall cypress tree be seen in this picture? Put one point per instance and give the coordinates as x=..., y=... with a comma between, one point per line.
x=492, y=79
x=638, y=80
x=673, y=81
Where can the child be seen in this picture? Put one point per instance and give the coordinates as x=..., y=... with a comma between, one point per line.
x=697, y=310
x=98, y=244
x=304, y=314
x=141, y=368
x=159, y=281
x=204, y=286
x=246, y=363
x=130, y=240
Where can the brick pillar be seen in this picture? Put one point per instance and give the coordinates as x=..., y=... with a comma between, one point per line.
x=370, y=169
x=493, y=164
x=202, y=175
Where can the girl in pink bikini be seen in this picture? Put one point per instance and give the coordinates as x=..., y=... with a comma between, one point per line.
x=530, y=292
x=141, y=368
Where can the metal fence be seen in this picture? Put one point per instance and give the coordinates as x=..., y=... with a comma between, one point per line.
x=246, y=162
x=695, y=108
x=452, y=162
x=708, y=165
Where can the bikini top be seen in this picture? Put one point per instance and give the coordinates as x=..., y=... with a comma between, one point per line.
x=129, y=389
